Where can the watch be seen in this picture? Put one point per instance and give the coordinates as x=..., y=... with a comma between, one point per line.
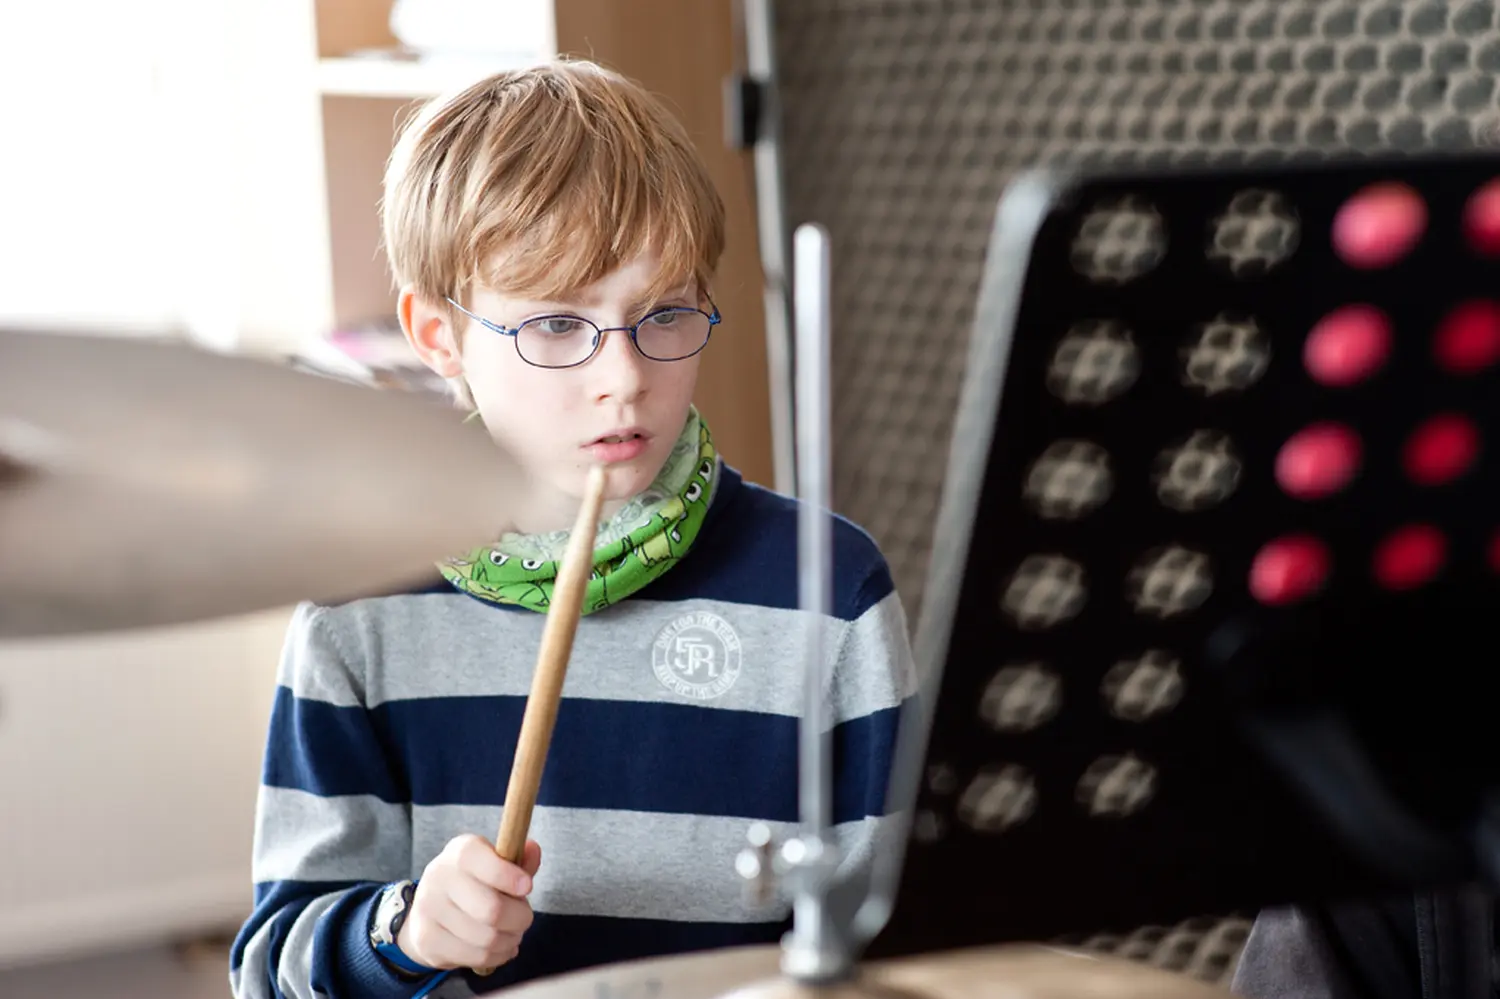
x=390, y=913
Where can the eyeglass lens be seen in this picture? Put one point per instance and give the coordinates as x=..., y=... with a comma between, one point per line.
x=563, y=341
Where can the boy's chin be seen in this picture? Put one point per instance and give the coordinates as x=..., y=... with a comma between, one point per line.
x=627, y=479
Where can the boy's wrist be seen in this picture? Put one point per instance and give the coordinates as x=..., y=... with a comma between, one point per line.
x=392, y=907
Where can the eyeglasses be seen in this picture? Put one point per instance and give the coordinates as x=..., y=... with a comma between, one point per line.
x=564, y=341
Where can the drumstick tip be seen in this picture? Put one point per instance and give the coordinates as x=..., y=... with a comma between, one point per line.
x=598, y=477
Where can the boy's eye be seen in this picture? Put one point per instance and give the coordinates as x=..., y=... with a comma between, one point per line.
x=665, y=318
x=557, y=325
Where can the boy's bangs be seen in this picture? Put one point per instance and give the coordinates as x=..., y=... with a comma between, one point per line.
x=539, y=183
x=588, y=232
x=553, y=261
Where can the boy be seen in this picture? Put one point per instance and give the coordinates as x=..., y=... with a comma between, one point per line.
x=554, y=235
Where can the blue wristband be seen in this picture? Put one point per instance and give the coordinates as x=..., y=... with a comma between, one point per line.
x=395, y=955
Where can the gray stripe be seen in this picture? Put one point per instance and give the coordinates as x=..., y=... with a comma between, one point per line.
x=295, y=970
x=711, y=653
x=608, y=863
x=304, y=837
x=294, y=973
x=641, y=865
x=875, y=669
x=315, y=665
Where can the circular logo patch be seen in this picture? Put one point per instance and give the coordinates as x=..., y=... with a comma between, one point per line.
x=697, y=656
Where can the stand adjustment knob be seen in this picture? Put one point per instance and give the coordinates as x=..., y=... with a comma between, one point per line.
x=755, y=865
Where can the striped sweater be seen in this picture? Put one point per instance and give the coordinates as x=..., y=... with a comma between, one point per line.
x=395, y=720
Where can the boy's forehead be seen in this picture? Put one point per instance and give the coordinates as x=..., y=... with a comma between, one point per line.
x=605, y=292
x=633, y=282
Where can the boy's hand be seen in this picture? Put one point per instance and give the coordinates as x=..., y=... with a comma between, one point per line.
x=470, y=909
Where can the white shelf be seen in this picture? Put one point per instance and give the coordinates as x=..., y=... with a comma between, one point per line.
x=375, y=76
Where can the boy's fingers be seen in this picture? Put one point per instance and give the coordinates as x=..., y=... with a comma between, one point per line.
x=428, y=942
x=517, y=918
x=466, y=929
x=480, y=861
x=531, y=858
x=478, y=901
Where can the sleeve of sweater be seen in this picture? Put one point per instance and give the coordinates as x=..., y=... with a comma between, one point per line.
x=332, y=828
x=873, y=676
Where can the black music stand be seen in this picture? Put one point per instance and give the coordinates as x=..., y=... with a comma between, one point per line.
x=1116, y=730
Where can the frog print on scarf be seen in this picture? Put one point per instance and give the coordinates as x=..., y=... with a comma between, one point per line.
x=666, y=545
x=648, y=536
x=494, y=575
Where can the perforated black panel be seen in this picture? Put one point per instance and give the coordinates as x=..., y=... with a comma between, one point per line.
x=903, y=121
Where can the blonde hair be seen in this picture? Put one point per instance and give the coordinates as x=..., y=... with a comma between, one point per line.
x=538, y=182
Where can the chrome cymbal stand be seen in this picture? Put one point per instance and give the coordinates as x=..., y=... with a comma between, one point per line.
x=816, y=950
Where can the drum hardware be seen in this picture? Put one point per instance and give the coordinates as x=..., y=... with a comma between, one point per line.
x=805, y=865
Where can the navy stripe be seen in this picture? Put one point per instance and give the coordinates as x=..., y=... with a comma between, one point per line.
x=559, y=944
x=639, y=756
x=746, y=553
x=328, y=750
x=863, y=751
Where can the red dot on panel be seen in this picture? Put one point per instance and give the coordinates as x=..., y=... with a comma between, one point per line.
x=1347, y=345
x=1379, y=225
x=1441, y=450
x=1482, y=220
x=1318, y=461
x=1289, y=569
x=1410, y=557
x=1468, y=338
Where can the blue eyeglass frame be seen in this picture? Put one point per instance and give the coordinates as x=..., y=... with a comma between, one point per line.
x=713, y=320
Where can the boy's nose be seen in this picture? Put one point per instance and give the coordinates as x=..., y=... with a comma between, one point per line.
x=618, y=368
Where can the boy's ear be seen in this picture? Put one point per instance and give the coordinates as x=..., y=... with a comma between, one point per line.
x=429, y=330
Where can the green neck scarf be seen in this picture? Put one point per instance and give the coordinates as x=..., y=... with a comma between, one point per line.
x=632, y=548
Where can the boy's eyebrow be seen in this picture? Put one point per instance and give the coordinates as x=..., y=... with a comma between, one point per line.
x=641, y=305
x=578, y=302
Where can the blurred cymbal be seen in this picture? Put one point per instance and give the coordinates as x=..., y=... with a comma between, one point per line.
x=1010, y=971
x=704, y=975
x=147, y=483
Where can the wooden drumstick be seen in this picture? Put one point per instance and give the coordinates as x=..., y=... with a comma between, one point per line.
x=540, y=716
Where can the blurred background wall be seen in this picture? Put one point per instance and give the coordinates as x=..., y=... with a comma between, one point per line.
x=903, y=120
